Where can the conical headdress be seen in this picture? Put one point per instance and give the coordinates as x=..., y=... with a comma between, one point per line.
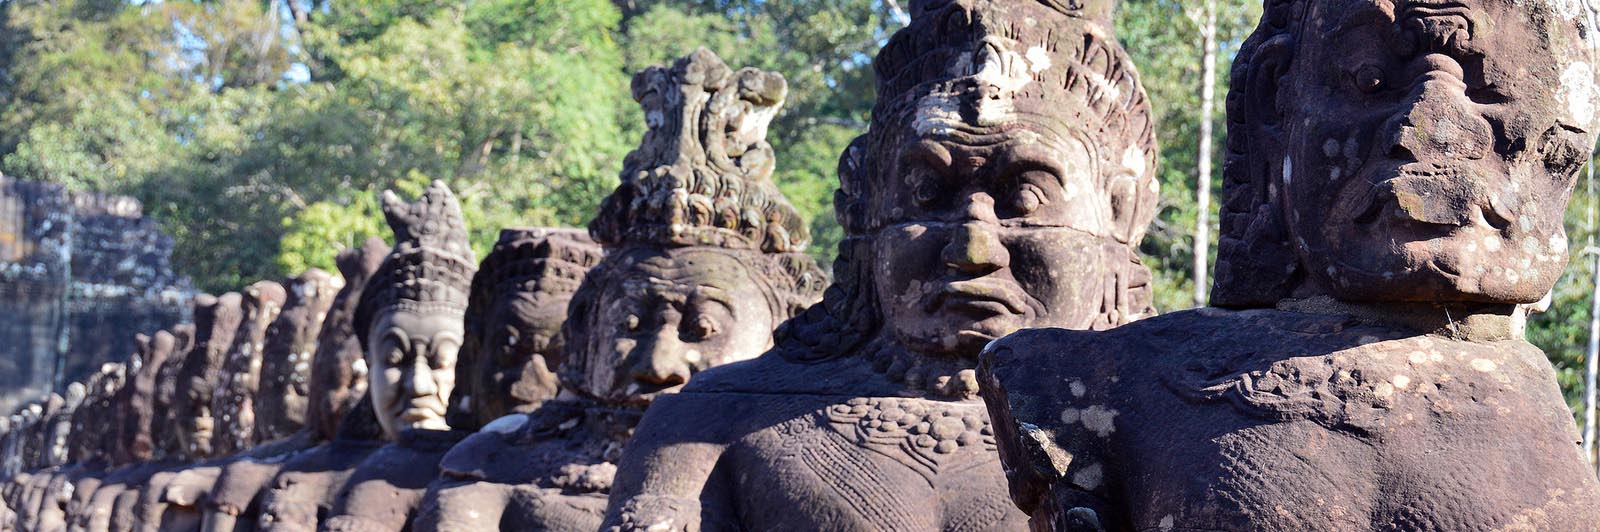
x=430, y=269
x=702, y=176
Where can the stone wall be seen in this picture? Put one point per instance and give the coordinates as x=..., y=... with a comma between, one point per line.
x=80, y=274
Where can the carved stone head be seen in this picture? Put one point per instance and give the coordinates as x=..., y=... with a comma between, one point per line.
x=705, y=254
x=234, y=403
x=138, y=398
x=163, y=424
x=1010, y=140
x=338, y=369
x=412, y=311
x=1405, y=150
x=61, y=424
x=215, y=321
x=286, y=359
x=514, y=316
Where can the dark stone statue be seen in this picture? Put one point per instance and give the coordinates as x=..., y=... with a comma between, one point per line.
x=234, y=401
x=1396, y=178
x=411, y=316
x=280, y=403
x=286, y=358
x=694, y=278
x=1005, y=180
x=514, y=315
x=302, y=491
x=194, y=422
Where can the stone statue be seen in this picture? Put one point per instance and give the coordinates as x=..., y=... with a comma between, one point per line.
x=1011, y=139
x=139, y=396
x=411, y=315
x=217, y=319
x=163, y=414
x=514, y=314
x=702, y=263
x=279, y=403
x=305, y=484
x=87, y=450
x=286, y=358
x=1396, y=178
x=234, y=401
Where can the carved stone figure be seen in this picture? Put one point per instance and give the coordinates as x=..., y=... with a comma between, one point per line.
x=1005, y=180
x=411, y=315
x=666, y=303
x=280, y=405
x=138, y=397
x=234, y=401
x=216, y=319
x=514, y=314
x=1396, y=180
x=286, y=358
x=303, y=489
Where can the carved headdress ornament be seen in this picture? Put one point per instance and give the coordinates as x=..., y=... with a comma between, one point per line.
x=430, y=269
x=702, y=176
x=975, y=69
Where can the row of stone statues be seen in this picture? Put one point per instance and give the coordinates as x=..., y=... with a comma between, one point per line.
x=1396, y=176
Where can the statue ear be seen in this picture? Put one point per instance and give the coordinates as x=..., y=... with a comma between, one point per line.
x=1268, y=68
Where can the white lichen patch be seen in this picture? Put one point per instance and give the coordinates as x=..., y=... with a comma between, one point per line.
x=1578, y=89
x=1077, y=388
x=1089, y=477
x=1484, y=365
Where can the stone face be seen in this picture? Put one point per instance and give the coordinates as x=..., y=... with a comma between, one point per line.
x=303, y=486
x=1394, y=187
x=136, y=401
x=514, y=314
x=411, y=312
x=702, y=263
x=1009, y=138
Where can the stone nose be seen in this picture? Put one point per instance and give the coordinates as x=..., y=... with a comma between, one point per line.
x=420, y=378
x=660, y=361
x=1439, y=124
x=975, y=249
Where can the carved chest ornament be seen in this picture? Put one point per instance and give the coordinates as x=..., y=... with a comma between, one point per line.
x=927, y=437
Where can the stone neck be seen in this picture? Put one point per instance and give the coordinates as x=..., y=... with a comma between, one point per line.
x=1471, y=322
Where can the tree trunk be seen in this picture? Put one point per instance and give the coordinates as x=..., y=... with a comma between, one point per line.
x=1202, y=204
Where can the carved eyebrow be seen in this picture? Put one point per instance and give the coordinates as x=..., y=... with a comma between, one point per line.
x=714, y=295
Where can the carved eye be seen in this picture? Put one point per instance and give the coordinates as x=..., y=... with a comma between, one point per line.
x=1029, y=198
x=631, y=323
x=1368, y=79
x=394, y=357
x=704, y=327
x=926, y=193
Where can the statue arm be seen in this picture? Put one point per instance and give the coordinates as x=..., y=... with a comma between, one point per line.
x=1040, y=387
x=667, y=472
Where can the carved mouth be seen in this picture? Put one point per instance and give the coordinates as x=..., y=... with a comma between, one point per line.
x=1389, y=199
x=985, y=296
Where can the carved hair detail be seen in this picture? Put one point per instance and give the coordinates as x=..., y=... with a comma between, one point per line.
x=431, y=266
x=702, y=175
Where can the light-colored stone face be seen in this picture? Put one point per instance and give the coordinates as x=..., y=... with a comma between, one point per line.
x=412, y=361
x=1431, y=147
